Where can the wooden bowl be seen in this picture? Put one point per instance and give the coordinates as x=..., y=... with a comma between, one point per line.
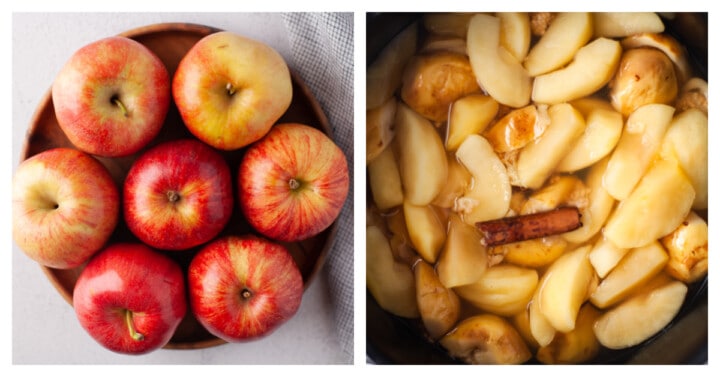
x=170, y=42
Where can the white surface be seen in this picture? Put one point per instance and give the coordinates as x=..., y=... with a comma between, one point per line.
x=44, y=327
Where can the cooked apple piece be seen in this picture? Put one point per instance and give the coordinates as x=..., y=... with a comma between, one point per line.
x=486, y=339
x=452, y=24
x=534, y=253
x=577, y=346
x=439, y=43
x=540, y=328
x=565, y=288
x=644, y=76
x=539, y=159
x=458, y=181
x=686, y=141
x=623, y=24
x=392, y=284
x=586, y=105
x=604, y=256
x=489, y=195
x=439, y=306
x=521, y=321
x=464, y=258
x=426, y=231
x=400, y=243
x=667, y=44
x=600, y=205
x=384, y=75
x=558, y=191
x=636, y=149
x=498, y=72
x=504, y=289
x=656, y=207
x=469, y=115
x=637, y=267
x=421, y=156
x=593, y=67
x=384, y=180
x=641, y=316
x=379, y=131
x=515, y=33
x=602, y=132
x=518, y=128
x=564, y=37
x=687, y=247
x=693, y=95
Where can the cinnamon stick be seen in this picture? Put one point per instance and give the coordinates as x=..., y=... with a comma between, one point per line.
x=525, y=227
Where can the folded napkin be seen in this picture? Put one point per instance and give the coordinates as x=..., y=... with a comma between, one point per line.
x=322, y=54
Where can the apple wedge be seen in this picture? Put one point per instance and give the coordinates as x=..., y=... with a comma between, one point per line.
x=503, y=289
x=426, y=231
x=667, y=44
x=558, y=191
x=656, y=207
x=464, y=258
x=385, y=183
x=486, y=339
x=379, y=131
x=384, y=75
x=440, y=43
x=637, y=267
x=623, y=24
x=458, y=181
x=593, y=67
x=604, y=256
x=515, y=33
x=498, y=72
x=439, y=306
x=534, y=253
x=540, y=328
x=600, y=205
x=469, y=115
x=641, y=316
x=636, y=149
x=565, y=288
x=518, y=128
x=577, y=346
x=602, y=132
x=489, y=196
x=392, y=284
x=688, y=249
x=422, y=158
x=564, y=37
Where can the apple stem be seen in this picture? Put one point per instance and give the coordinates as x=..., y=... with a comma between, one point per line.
x=133, y=334
x=294, y=184
x=246, y=294
x=173, y=196
x=230, y=89
x=119, y=104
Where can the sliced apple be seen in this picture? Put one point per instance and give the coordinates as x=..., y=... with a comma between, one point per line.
x=422, y=159
x=426, y=231
x=559, y=190
x=577, y=346
x=687, y=247
x=521, y=321
x=637, y=267
x=604, y=256
x=518, y=128
x=636, y=149
x=686, y=140
x=486, y=339
x=565, y=288
x=645, y=75
x=438, y=43
x=693, y=95
x=540, y=328
x=458, y=181
x=600, y=205
x=656, y=207
x=503, y=289
x=602, y=132
x=667, y=44
x=515, y=33
x=439, y=306
x=379, y=131
x=489, y=195
x=469, y=115
x=623, y=24
x=464, y=258
x=384, y=178
x=498, y=72
x=538, y=160
x=392, y=284
x=564, y=37
x=400, y=243
x=593, y=67
x=384, y=75
x=534, y=253
x=586, y=105
x=641, y=316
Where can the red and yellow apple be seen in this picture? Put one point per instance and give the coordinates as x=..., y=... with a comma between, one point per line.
x=243, y=288
x=65, y=206
x=293, y=182
x=130, y=298
x=111, y=97
x=230, y=89
x=178, y=195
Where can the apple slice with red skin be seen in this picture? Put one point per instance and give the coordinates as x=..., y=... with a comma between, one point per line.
x=178, y=195
x=130, y=298
x=243, y=287
x=293, y=182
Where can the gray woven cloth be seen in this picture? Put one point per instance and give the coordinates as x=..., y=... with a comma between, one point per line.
x=322, y=54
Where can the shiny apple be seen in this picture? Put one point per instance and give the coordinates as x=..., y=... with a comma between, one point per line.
x=178, y=195
x=111, y=97
x=243, y=288
x=293, y=182
x=65, y=207
x=130, y=298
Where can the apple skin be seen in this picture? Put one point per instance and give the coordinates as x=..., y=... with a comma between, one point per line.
x=178, y=195
x=130, y=282
x=293, y=182
x=230, y=89
x=65, y=207
x=243, y=288
x=85, y=90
